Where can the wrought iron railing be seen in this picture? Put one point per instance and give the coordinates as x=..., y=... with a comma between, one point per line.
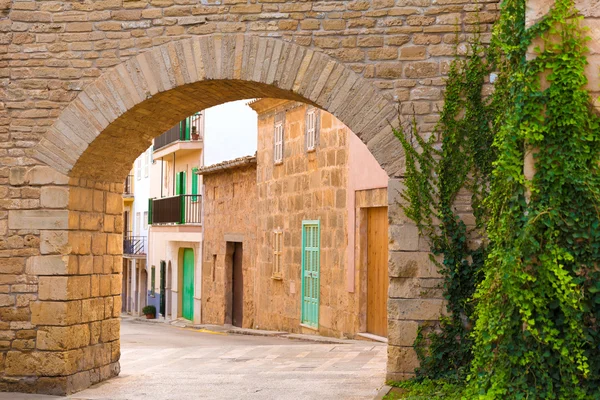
x=190, y=129
x=180, y=209
x=128, y=186
x=134, y=245
x=170, y=136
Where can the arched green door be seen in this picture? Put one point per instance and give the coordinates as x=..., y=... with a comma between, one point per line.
x=187, y=297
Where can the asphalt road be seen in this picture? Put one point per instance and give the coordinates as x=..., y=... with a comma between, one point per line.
x=163, y=362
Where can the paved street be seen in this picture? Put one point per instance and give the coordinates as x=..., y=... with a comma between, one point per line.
x=165, y=362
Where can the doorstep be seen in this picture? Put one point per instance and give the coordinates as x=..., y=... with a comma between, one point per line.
x=372, y=337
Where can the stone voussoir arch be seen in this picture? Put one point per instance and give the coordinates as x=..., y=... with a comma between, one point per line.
x=201, y=72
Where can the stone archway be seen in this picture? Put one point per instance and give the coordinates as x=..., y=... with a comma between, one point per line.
x=89, y=150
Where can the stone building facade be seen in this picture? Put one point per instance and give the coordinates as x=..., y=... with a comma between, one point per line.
x=229, y=219
x=264, y=200
x=85, y=86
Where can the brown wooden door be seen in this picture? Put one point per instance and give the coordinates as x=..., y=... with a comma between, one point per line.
x=238, y=287
x=377, y=270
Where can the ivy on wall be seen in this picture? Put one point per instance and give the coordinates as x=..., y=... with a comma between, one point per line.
x=537, y=313
x=434, y=179
x=537, y=309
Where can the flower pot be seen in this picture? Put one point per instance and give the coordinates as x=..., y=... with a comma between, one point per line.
x=150, y=316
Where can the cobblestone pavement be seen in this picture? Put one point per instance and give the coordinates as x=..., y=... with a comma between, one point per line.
x=165, y=362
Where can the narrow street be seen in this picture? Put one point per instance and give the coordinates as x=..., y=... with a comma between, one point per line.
x=165, y=362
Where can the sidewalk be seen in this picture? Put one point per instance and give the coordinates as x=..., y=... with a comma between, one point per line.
x=230, y=329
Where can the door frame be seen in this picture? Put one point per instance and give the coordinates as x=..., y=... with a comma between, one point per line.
x=230, y=241
x=365, y=199
x=303, y=265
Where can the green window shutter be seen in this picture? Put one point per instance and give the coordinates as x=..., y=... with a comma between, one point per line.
x=194, y=184
x=311, y=268
x=180, y=183
x=150, y=211
x=184, y=130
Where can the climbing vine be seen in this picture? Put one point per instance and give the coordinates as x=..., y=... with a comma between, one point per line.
x=536, y=334
x=536, y=199
x=435, y=178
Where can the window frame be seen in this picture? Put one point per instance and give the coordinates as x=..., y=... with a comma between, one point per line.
x=311, y=121
x=278, y=138
x=277, y=254
x=138, y=168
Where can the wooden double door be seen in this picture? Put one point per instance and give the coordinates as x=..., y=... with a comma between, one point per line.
x=377, y=270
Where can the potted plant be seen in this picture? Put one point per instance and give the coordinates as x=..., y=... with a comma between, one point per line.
x=149, y=312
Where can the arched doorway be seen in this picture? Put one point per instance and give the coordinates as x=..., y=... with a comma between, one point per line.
x=89, y=150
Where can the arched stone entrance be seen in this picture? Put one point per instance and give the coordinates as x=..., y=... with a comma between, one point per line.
x=88, y=151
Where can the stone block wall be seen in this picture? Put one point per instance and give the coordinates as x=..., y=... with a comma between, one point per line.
x=229, y=216
x=84, y=86
x=61, y=289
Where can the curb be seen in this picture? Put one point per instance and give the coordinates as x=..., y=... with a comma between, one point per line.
x=382, y=392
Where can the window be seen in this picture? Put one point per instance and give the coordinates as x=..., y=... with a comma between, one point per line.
x=278, y=138
x=153, y=281
x=137, y=224
x=277, y=251
x=312, y=127
x=147, y=163
x=138, y=168
x=146, y=220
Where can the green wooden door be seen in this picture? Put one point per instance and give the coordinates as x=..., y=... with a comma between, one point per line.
x=187, y=295
x=311, y=254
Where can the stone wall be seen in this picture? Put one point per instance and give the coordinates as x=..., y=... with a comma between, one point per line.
x=85, y=86
x=229, y=216
x=62, y=286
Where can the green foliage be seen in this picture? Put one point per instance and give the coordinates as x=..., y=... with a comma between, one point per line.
x=537, y=309
x=149, y=310
x=536, y=334
x=426, y=389
x=434, y=179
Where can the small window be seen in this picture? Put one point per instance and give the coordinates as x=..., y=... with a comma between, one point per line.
x=277, y=254
x=147, y=163
x=146, y=220
x=278, y=137
x=311, y=129
x=138, y=168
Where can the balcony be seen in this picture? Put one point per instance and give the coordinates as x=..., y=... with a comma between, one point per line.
x=134, y=246
x=128, y=188
x=184, y=137
x=184, y=209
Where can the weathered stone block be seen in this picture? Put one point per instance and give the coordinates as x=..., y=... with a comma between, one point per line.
x=56, y=313
x=11, y=265
x=54, y=242
x=54, y=197
x=64, y=287
x=38, y=219
x=401, y=359
x=63, y=338
x=416, y=309
x=410, y=264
